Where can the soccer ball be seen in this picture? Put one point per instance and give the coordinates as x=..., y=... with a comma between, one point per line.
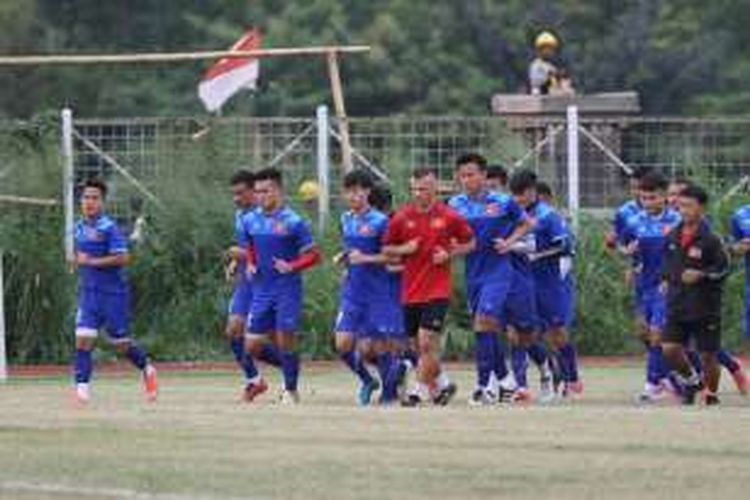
x=308, y=191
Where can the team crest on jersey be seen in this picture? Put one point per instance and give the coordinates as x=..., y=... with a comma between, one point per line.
x=366, y=230
x=438, y=223
x=694, y=253
x=93, y=234
x=278, y=227
x=411, y=224
x=492, y=209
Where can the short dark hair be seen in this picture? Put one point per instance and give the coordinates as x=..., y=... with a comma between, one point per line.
x=695, y=192
x=358, y=178
x=381, y=197
x=499, y=172
x=544, y=189
x=475, y=158
x=521, y=180
x=422, y=172
x=270, y=174
x=639, y=173
x=242, y=176
x=96, y=184
x=653, y=181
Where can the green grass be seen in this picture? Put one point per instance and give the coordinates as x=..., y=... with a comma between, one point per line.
x=199, y=441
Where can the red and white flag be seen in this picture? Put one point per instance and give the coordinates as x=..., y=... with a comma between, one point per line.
x=230, y=75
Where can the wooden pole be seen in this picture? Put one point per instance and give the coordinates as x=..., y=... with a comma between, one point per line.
x=161, y=57
x=338, y=103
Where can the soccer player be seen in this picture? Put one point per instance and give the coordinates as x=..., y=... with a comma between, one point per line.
x=101, y=253
x=366, y=313
x=695, y=267
x=496, y=179
x=645, y=238
x=427, y=234
x=740, y=245
x=498, y=223
x=243, y=196
x=553, y=285
x=280, y=248
x=625, y=211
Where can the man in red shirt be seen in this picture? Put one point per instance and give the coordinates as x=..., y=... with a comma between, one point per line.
x=427, y=234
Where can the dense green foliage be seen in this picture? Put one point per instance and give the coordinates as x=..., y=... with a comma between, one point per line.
x=684, y=56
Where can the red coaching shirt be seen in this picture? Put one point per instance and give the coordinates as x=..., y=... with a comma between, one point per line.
x=438, y=227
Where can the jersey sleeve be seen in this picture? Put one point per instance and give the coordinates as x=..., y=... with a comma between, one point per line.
x=303, y=236
x=460, y=227
x=240, y=235
x=516, y=213
x=557, y=231
x=735, y=231
x=394, y=231
x=117, y=243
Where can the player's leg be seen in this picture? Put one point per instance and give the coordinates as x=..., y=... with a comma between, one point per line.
x=734, y=366
x=88, y=322
x=117, y=318
x=404, y=352
x=288, y=313
x=259, y=327
x=350, y=320
x=487, y=354
x=674, y=337
x=708, y=343
x=239, y=309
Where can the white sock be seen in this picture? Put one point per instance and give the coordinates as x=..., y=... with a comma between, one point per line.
x=442, y=380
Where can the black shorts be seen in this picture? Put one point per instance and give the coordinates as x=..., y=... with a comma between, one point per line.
x=427, y=316
x=704, y=332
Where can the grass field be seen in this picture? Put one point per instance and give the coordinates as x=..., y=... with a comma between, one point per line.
x=198, y=441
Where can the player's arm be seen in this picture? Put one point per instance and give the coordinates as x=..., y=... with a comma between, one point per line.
x=739, y=244
x=117, y=248
x=523, y=225
x=717, y=264
x=309, y=253
x=393, y=240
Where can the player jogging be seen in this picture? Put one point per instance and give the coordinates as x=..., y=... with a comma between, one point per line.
x=280, y=247
x=101, y=254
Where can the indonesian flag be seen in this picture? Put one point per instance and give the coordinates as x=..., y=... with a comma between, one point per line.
x=231, y=74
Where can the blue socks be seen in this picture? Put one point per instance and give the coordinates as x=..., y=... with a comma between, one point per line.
x=519, y=363
x=353, y=360
x=655, y=366
x=501, y=368
x=485, y=354
x=727, y=361
x=270, y=354
x=83, y=366
x=245, y=361
x=384, y=360
x=568, y=363
x=695, y=360
x=537, y=353
x=290, y=369
x=137, y=356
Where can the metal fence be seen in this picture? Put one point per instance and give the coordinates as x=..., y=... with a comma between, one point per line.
x=150, y=149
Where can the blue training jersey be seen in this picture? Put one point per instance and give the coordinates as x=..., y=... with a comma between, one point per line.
x=241, y=238
x=100, y=237
x=364, y=232
x=623, y=214
x=284, y=235
x=651, y=233
x=740, y=230
x=552, y=236
x=491, y=216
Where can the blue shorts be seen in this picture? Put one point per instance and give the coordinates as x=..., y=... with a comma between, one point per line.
x=109, y=311
x=520, y=310
x=555, y=303
x=488, y=299
x=651, y=307
x=377, y=320
x=242, y=297
x=278, y=310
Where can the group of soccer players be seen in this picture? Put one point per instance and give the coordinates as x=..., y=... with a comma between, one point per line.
x=396, y=285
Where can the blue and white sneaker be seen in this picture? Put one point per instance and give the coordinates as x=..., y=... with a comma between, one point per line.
x=364, y=395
